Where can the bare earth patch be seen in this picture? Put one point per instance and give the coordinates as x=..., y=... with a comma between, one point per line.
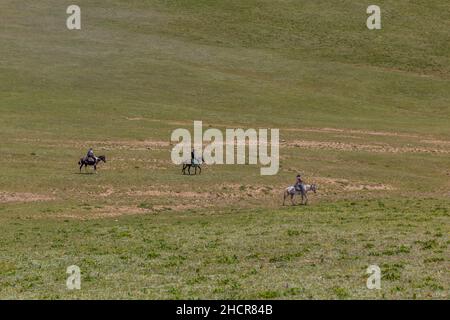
x=118, y=211
x=9, y=197
x=344, y=146
x=101, y=145
x=436, y=145
x=164, y=200
x=108, y=192
x=175, y=194
x=105, y=212
x=361, y=187
x=341, y=185
x=355, y=131
x=438, y=142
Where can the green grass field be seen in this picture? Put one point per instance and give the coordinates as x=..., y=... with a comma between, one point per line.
x=364, y=114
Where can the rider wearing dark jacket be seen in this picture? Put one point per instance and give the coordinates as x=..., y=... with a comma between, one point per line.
x=192, y=156
x=299, y=184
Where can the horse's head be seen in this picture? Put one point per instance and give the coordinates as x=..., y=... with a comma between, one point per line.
x=102, y=158
x=314, y=188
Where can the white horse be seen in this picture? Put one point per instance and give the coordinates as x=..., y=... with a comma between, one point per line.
x=292, y=191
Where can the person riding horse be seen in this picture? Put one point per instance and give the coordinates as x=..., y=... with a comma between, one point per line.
x=193, y=160
x=90, y=155
x=91, y=160
x=299, y=184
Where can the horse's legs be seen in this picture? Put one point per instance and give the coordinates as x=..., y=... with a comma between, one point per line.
x=284, y=197
x=304, y=198
x=183, y=170
x=200, y=170
x=292, y=199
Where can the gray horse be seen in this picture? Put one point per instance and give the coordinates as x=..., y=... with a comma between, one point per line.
x=292, y=191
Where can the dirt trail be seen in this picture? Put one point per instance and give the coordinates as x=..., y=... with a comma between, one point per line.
x=347, y=185
x=101, y=145
x=432, y=144
x=9, y=197
x=120, y=210
x=376, y=148
x=355, y=131
x=224, y=195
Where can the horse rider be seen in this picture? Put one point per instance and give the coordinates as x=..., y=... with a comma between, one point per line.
x=192, y=156
x=299, y=184
x=90, y=155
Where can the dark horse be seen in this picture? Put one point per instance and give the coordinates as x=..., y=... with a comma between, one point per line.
x=188, y=165
x=91, y=162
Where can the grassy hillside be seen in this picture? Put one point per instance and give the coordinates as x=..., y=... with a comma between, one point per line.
x=210, y=59
x=364, y=114
x=322, y=252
